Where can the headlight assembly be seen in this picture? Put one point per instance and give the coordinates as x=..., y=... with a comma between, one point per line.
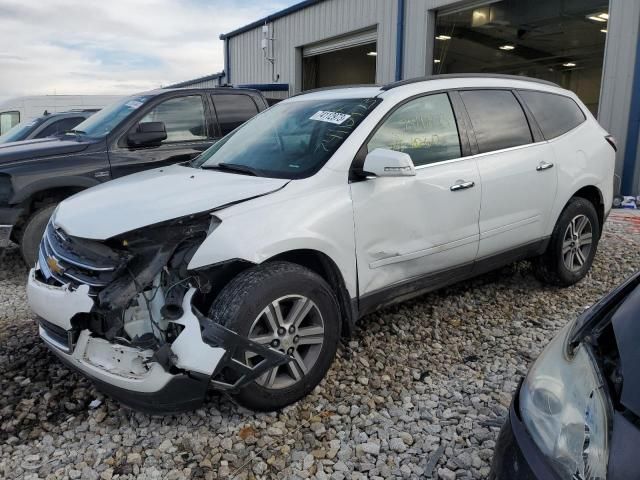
x=564, y=407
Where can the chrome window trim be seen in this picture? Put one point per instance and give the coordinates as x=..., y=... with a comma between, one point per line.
x=484, y=154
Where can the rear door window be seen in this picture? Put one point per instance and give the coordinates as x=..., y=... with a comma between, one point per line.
x=233, y=110
x=497, y=119
x=59, y=126
x=555, y=114
x=183, y=117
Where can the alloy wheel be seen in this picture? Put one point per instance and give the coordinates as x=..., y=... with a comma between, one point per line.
x=293, y=325
x=576, y=243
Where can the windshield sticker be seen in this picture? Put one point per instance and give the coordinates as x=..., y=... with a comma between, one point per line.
x=133, y=104
x=330, y=117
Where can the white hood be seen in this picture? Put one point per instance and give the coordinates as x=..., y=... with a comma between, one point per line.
x=155, y=196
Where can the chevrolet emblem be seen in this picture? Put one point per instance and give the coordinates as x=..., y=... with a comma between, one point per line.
x=54, y=265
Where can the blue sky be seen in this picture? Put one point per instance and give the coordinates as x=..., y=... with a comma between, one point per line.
x=115, y=46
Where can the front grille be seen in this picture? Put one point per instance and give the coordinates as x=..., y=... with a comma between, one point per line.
x=65, y=260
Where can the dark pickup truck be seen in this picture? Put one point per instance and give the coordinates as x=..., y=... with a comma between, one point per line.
x=143, y=131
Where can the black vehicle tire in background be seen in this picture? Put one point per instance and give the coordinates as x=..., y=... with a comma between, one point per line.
x=572, y=247
x=245, y=305
x=32, y=232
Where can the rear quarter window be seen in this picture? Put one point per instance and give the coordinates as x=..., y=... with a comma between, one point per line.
x=555, y=114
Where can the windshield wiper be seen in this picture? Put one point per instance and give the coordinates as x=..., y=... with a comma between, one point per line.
x=234, y=167
x=76, y=132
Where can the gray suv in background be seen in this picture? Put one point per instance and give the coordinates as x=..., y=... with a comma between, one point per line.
x=48, y=125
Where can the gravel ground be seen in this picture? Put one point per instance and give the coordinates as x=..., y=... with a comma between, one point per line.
x=419, y=392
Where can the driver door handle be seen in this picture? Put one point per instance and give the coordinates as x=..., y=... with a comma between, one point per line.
x=544, y=166
x=461, y=185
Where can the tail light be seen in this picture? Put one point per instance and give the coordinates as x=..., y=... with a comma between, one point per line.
x=612, y=141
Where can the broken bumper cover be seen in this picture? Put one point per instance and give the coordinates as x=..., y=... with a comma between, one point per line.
x=130, y=374
x=126, y=373
x=154, y=391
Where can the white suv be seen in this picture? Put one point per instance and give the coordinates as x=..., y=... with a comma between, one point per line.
x=242, y=269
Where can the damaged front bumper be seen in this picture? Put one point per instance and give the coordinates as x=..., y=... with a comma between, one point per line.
x=199, y=356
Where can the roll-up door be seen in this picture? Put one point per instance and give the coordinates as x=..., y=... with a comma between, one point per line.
x=345, y=60
x=339, y=43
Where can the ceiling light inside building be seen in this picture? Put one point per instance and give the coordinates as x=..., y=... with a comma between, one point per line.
x=443, y=37
x=372, y=54
x=480, y=16
x=569, y=64
x=507, y=47
x=436, y=61
x=604, y=30
x=604, y=15
x=597, y=18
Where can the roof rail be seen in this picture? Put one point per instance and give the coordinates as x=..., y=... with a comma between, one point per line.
x=336, y=87
x=445, y=76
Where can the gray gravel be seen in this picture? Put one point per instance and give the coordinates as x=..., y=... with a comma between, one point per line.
x=419, y=392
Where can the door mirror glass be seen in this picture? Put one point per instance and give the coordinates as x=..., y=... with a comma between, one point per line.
x=388, y=163
x=148, y=134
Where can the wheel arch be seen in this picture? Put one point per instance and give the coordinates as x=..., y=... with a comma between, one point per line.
x=220, y=274
x=593, y=194
x=38, y=198
x=51, y=185
x=324, y=266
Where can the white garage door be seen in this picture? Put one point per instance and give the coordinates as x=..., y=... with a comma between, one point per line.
x=338, y=43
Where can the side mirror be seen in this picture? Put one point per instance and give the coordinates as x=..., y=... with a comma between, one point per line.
x=388, y=163
x=148, y=134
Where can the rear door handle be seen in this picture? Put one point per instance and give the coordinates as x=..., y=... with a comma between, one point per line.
x=461, y=185
x=544, y=166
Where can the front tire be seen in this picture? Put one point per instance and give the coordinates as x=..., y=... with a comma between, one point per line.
x=572, y=246
x=291, y=309
x=32, y=234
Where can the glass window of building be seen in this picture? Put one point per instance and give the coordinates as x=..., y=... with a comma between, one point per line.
x=558, y=41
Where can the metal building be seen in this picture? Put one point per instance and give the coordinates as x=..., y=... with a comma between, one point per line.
x=588, y=46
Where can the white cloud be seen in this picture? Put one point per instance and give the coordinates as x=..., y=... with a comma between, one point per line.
x=114, y=46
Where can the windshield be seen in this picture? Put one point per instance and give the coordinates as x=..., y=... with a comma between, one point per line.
x=108, y=118
x=21, y=130
x=290, y=140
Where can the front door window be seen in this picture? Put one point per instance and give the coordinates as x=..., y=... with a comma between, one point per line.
x=183, y=117
x=424, y=128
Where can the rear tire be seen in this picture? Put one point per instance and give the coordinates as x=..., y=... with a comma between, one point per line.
x=32, y=233
x=293, y=296
x=572, y=246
